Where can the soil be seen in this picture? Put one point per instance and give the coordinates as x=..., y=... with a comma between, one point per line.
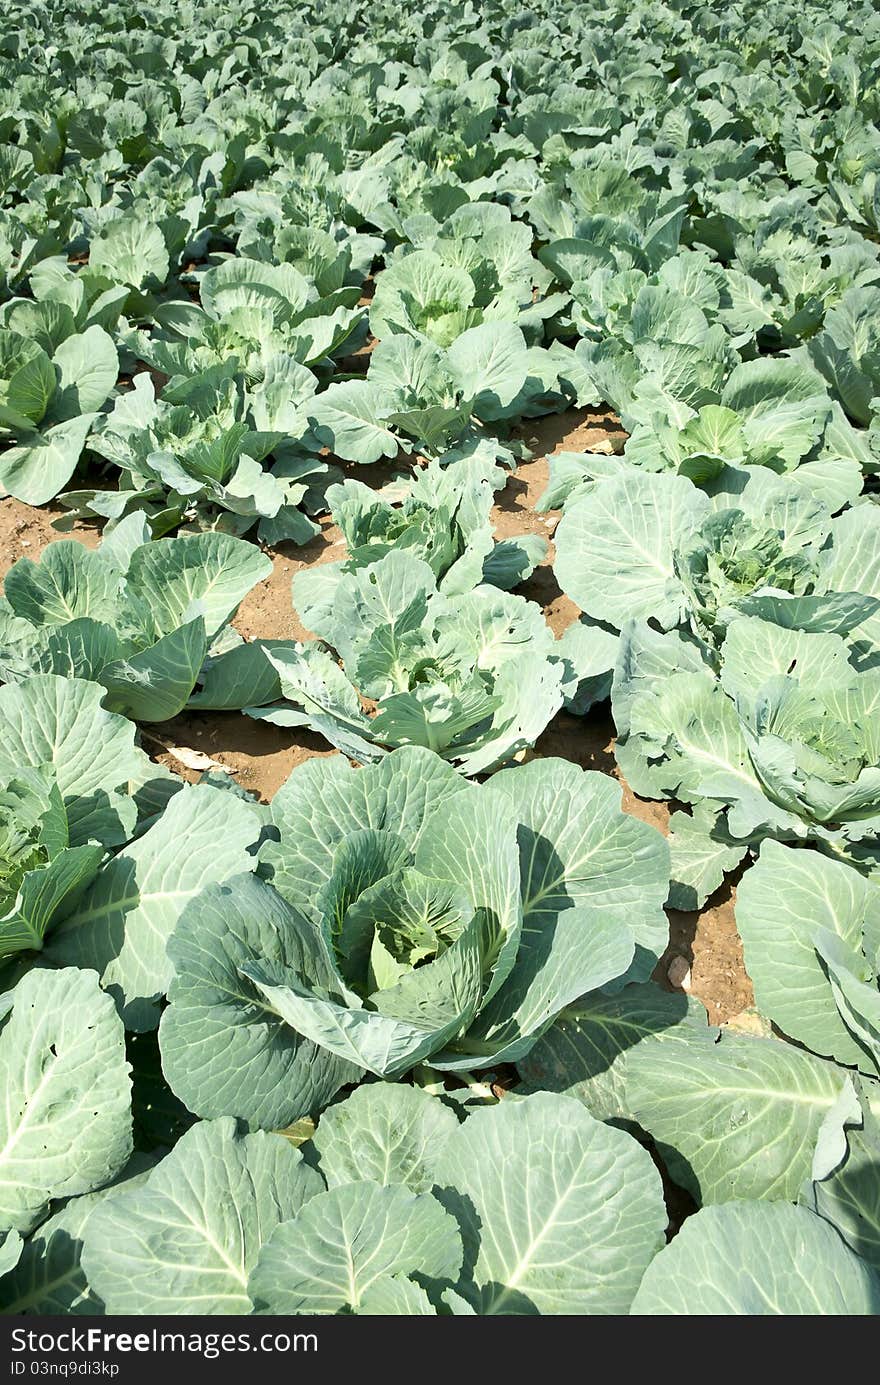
x=261, y=756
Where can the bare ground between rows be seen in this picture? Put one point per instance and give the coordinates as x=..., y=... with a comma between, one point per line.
x=261, y=756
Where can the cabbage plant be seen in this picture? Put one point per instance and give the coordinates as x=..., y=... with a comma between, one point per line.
x=136, y=616
x=782, y=744
x=412, y=917
x=195, y=456
x=49, y=400
x=252, y=312
x=443, y=518
x=424, y=395
x=474, y=677
x=652, y=547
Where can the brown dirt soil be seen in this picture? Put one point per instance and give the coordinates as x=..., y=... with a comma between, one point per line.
x=261, y=756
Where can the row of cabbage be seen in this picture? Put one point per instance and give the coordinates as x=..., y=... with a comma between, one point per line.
x=206, y=221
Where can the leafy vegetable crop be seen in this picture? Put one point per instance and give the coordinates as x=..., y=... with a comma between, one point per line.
x=294, y=287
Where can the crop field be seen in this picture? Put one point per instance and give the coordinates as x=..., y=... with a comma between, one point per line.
x=440, y=658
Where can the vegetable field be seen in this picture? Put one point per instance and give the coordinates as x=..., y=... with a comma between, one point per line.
x=440, y=658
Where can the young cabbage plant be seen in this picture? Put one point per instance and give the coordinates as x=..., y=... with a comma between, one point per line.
x=195, y=456
x=49, y=400
x=442, y=518
x=474, y=677
x=782, y=744
x=418, y=394
x=136, y=616
x=252, y=313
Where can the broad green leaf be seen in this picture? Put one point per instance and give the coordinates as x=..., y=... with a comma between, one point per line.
x=559, y=1213
x=854, y=987
x=88, y=367
x=49, y=1278
x=65, y=1126
x=846, y=1191
x=49, y=720
x=578, y=849
x=171, y=581
x=752, y=1259
x=155, y=684
x=41, y=466
x=471, y=841
x=324, y=801
x=786, y=896
x=783, y=407
x=852, y=563
x=411, y=1021
x=490, y=363
x=224, y=1050
x=68, y=582
x=45, y=895
x=385, y=1132
x=185, y=1241
x=701, y=854
x=349, y=418
x=585, y=1052
x=734, y=1119
x=122, y=925
x=10, y=1251
x=395, y=1296
x=346, y=1239
x=130, y=250
x=615, y=547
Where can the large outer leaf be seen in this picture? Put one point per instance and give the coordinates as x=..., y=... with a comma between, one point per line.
x=738, y=1118
x=69, y=581
x=122, y=925
x=173, y=580
x=559, y=1213
x=578, y=848
x=852, y=563
x=10, y=1251
x=786, y=896
x=65, y=1123
x=344, y=1240
x=853, y=983
x=350, y=418
x=615, y=546
x=750, y=1259
x=756, y=651
x=42, y=466
x=88, y=367
x=491, y=364
x=49, y=1277
x=386, y=1132
x=224, y=1051
x=395, y=1296
x=585, y=1053
x=60, y=721
x=185, y=1242
x=155, y=684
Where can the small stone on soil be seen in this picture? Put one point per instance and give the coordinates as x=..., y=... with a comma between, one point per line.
x=678, y=973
